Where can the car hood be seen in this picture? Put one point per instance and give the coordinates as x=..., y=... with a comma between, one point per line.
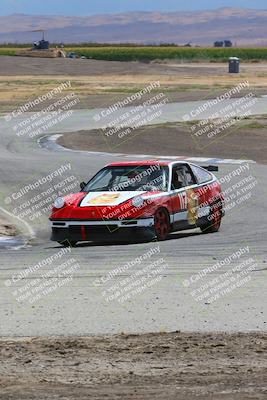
x=98, y=199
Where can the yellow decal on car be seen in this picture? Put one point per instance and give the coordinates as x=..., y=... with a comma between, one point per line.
x=104, y=198
x=192, y=199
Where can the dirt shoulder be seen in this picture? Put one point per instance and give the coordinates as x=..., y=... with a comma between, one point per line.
x=26, y=66
x=246, y=141
x=12, y=66
x=151, y=366
x=7, y=229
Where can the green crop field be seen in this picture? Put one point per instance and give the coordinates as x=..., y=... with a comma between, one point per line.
x=178, y=53
x=7, y=51
x=150, y=53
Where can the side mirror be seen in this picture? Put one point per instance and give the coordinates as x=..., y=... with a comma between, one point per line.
x=82, y=185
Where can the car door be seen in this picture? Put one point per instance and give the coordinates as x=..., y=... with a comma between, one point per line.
x=204, y=190
x=184, y=200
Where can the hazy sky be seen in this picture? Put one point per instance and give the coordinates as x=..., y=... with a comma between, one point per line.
x=86, y=7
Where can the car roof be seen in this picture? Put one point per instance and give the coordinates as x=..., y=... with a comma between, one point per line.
x=145, y=162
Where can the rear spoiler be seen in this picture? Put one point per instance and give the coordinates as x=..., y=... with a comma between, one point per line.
x=211, y=168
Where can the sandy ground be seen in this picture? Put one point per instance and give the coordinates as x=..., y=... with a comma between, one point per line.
x=151, y=366
x=246, y=140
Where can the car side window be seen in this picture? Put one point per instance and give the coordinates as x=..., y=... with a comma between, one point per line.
x=201, y=175
x=182, y=177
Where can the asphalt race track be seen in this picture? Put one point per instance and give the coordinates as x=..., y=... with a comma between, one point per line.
x=80, y=306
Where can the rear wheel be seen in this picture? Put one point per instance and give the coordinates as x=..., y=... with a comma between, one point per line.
x=213, y=220
x=162, y=224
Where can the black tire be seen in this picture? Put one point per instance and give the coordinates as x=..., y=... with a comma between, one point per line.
x=68, y=243
x=214, y=219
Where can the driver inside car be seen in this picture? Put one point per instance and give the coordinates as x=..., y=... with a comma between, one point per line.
x=178, y=179
x=134, y=180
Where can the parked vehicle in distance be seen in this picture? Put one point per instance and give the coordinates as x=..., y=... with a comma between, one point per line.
x=72, y=55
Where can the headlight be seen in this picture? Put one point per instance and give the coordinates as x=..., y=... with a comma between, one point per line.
x=137, y=201
x=59, y=202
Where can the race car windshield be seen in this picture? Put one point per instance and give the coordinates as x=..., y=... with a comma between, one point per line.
x=130, y=178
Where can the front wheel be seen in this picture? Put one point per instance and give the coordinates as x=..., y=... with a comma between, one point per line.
x=162, y=224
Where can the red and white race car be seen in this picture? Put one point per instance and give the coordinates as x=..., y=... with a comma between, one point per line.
x=140, y=199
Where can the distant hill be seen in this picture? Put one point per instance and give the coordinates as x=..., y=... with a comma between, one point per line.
x=242, y=26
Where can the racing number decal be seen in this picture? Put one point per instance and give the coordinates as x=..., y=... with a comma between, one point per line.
x=183, y=201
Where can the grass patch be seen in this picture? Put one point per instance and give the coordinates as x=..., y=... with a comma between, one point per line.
x=8, y=52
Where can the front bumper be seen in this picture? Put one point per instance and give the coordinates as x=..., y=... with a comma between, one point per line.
x=125, y=230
